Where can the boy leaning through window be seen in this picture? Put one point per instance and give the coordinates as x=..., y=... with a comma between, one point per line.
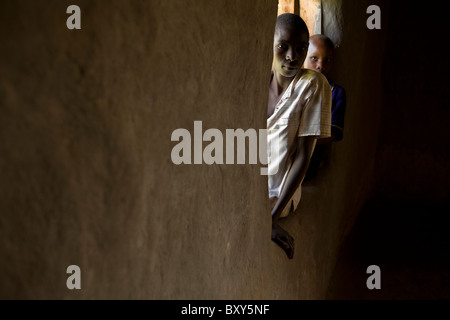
x=299, y=112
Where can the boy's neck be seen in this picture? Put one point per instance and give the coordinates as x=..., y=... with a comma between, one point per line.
x=280, y=83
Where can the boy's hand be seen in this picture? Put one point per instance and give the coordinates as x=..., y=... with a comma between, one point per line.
x=282, y=238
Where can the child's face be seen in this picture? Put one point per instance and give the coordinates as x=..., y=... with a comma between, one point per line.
x=319, y=57
x=290, y=48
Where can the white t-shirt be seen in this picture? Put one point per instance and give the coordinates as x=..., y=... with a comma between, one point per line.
x=303, y=110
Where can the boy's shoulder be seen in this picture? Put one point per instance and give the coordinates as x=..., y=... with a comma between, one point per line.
x=308, y=76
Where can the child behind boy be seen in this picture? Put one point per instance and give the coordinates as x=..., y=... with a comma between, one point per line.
x=320, y=58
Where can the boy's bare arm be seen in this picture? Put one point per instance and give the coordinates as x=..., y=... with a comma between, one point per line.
x=296, y=174
x=326, y=140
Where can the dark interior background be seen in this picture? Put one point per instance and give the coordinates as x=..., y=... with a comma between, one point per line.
x=404, y=226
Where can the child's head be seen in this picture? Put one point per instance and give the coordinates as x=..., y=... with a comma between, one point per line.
x=290, y=44
x=320, y=55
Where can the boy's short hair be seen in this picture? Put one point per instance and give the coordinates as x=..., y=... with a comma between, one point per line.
x=327, y=41
x=292, y=21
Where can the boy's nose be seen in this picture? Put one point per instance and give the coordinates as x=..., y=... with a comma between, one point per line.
x=290, y=55
x=319, y=66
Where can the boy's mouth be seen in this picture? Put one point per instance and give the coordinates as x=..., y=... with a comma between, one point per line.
x=290, y=68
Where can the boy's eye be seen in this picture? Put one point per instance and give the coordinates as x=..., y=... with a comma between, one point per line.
x=314, y=58
x=305, y=47
x=282, y=46
x=302, y=48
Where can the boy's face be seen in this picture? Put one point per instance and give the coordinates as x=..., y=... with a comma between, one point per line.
x=289, y=53
x=319, y=57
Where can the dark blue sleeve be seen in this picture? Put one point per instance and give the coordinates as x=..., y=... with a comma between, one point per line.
x=339, y=101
